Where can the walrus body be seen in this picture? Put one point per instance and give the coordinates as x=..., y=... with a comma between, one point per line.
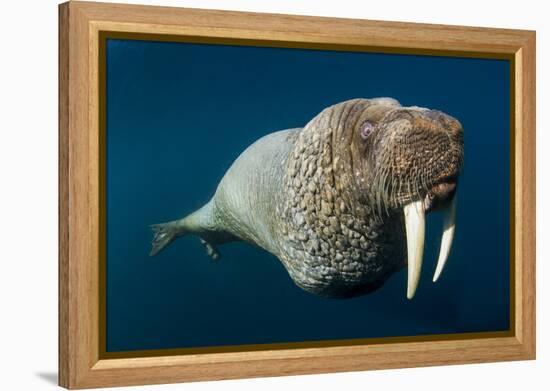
x=328, y=199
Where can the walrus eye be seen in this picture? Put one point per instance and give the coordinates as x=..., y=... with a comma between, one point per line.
x=366, y=129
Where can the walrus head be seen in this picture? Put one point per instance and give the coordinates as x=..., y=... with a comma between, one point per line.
x=359, y=180
x=412, y=157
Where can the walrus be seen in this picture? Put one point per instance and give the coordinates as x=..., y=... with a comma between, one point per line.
x=340, y=202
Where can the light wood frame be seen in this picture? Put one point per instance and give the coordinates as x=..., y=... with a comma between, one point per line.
x=80, y=24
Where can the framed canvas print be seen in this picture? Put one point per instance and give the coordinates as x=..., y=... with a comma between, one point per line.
x=248, y=195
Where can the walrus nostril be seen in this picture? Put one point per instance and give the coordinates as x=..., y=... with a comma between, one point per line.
x=435, y=115
x=447, y=122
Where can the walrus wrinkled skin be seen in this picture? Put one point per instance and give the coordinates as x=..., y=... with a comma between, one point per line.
x=341, y=202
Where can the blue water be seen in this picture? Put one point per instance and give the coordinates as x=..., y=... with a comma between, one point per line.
x=178, y=115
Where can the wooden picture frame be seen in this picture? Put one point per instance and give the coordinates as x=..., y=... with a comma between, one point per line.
x=81, y=25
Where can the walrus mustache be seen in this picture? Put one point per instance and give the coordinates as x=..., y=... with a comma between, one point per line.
x=410, y=193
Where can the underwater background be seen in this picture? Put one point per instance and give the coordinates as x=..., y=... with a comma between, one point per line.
x=178, y=115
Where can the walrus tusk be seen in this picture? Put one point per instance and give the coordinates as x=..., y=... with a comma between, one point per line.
x=449, y=223
x=415, y=222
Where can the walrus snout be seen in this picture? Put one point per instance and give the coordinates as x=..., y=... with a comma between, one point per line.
x=416, y=149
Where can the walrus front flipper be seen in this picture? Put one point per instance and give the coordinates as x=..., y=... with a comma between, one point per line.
x=211, y=250
x=164, y=234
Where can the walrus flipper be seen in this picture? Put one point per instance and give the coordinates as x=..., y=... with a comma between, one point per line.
x=164, y=234
x=198, y=223
x=211, y=250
